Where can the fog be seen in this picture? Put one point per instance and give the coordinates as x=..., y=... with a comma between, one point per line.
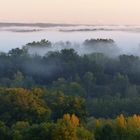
x=106, y=46
x=126, y=38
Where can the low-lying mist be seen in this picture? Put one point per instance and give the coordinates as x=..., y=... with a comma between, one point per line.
x=44, y=62
x=106, y=46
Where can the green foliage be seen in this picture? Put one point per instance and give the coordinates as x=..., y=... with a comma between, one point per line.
x=18, y=80
x=84, y=134
x=120, y=128
x=36, y=92
x=4, y=132
x=72, y=88
x=38, y=132
x=61, y=104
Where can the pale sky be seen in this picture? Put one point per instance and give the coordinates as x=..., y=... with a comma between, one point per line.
x=71, y=11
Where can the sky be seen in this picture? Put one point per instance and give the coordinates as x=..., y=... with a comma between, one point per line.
x=71, y=11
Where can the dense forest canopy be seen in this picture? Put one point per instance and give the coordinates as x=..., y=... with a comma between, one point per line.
x=62, y=95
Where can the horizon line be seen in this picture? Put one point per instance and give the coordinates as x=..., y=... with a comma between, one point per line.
x=60, y=24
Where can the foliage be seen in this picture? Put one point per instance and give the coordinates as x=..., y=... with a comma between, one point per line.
x=57, y=96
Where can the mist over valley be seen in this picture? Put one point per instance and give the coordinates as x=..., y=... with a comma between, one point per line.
x=16, y=35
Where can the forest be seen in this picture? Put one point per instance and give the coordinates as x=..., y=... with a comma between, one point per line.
x=65, y=95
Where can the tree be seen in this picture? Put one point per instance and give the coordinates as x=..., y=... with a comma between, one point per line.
x=17, y=52
x=41, y=131
x=61, y=104
x=18, y=80
x=4, y=132
x=121, y=84
x=18, y=104
x=89, y=81
x=66, y=128
x=84, y=134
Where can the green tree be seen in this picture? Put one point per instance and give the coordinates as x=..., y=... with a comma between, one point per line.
x=18, y=80
x=89, y=81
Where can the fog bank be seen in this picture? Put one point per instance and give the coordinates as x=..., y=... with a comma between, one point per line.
x=106, y=46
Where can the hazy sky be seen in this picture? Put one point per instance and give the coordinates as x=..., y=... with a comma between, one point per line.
x=71, y=11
